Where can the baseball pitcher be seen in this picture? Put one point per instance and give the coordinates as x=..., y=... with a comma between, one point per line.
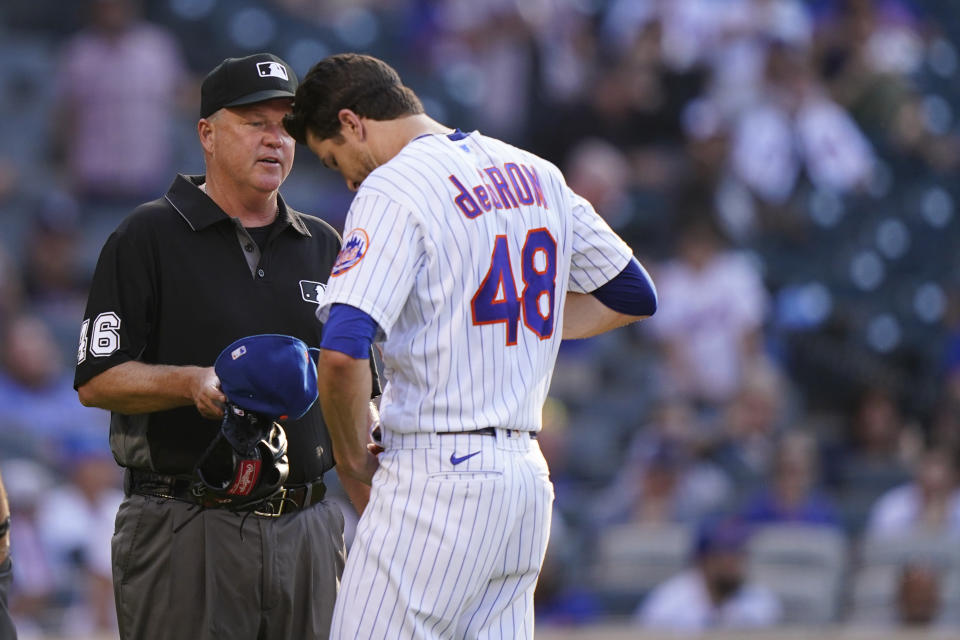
x=467, y=260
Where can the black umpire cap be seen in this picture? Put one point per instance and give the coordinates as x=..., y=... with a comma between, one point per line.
x=237, y=81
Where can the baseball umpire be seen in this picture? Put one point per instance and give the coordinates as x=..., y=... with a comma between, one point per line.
x=7, y=632
x=224, y=532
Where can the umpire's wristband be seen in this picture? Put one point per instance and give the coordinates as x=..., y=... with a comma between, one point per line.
x=4, y=526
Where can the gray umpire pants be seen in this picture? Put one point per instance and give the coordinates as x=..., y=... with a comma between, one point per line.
x=7, y=632
x=277, y=582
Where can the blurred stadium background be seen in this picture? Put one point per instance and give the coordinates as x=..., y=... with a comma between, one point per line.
x=787, y=171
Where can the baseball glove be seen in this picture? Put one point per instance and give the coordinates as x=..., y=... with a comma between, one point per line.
x=247, y=461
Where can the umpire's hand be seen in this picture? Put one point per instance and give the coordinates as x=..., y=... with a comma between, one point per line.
x=207, y=396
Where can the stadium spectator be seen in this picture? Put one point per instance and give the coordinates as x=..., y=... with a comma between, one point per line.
x=6, y=623
x=560, y=600
x=118, y=86
x=600, y=173
x=714, y=594
x=869, y=54
x=689, y=31
x=714, y=305
x=55, y=276
x=707, y=172
x=929, y=503
x=945, y=427
x=877, y=453
x=945, y=424
x=918, y=596
x=920, y=603
x=792, y=493
x=36, y=390
x=748, y=426
x=11, y=287
x=750, y=29
x=9, y=176
x=651, y=491
x=865, y=42
x=670, y=86
x=794, y=126
x=75, y=522
x=567, y=50
x=665, y=477
x=880, y=435
x=33, y=599
x=491, y=43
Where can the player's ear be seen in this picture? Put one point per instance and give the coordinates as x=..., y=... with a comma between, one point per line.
x=350, y=123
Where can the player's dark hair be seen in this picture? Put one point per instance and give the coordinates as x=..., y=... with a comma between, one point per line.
x=366, y=85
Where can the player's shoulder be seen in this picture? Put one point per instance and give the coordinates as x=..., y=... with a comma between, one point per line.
x=397, y=181
x=441, y=154
x=547, y=174
x=502, y=145
x=507, y=149
x=404, y=171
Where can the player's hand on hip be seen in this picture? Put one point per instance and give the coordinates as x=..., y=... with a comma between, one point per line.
x=207, y=396
x=361, y=470
x=371, y=467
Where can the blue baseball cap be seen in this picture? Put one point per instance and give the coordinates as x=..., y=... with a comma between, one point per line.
x=727, y=535
x=269, y=373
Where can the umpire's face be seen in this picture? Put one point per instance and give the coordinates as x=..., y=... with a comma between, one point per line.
x=247, y=146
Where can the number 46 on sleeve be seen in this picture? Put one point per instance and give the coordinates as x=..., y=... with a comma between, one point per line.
x=105, y=339
x=496, y=299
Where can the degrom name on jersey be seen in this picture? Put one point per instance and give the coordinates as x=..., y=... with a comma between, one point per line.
x=492, y=257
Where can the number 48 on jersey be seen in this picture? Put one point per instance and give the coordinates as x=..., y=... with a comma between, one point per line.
x=496, y=300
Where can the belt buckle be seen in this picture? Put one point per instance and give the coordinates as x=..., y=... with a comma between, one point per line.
x=279, y=511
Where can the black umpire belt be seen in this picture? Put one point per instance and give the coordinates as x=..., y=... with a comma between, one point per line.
x=486, y=431
x=187, y=489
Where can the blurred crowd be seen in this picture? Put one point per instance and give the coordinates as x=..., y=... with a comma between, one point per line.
x=785, y=170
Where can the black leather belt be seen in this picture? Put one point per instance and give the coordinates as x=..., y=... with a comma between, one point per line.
x=286, y=500
x=486, y=431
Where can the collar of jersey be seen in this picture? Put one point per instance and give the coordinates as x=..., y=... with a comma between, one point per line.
x=456, y=136
x=200, y=211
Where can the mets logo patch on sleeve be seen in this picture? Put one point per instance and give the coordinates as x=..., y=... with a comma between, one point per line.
x=355, y=246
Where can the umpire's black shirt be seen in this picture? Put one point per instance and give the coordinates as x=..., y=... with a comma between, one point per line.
x=173, y=286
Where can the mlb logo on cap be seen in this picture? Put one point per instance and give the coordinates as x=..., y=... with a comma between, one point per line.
x=272, y=69
x=239, y=81
x=270, y=373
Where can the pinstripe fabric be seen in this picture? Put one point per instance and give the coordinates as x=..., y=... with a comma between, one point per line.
x=453, y=538
x=425, y=262
x=449, y=552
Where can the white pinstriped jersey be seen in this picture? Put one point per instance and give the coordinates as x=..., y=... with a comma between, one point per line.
x=462, y=248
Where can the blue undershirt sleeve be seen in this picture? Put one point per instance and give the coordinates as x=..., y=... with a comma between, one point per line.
x=349, y=330
x=631, y=292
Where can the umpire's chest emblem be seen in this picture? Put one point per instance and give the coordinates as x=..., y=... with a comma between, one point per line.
x=312, y=291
